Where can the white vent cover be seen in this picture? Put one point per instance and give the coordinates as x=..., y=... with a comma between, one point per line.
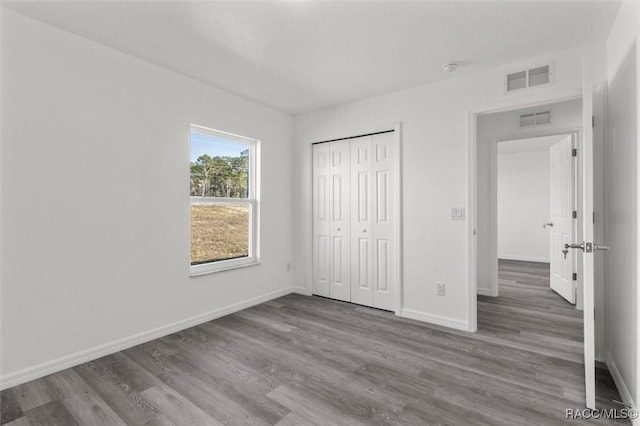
x=522, y=79
x=538, y=76
x=516, y=80
x=535, y=119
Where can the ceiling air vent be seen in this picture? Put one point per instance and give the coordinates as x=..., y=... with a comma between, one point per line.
x=535, y=119
x=532, y=77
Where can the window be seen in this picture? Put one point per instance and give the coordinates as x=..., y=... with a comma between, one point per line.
x=224, y=201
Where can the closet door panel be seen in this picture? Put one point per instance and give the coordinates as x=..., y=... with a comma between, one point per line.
x=321, y=221
x=384, y=212
x=339, y=228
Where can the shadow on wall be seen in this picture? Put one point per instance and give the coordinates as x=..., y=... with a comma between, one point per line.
x=621, y=223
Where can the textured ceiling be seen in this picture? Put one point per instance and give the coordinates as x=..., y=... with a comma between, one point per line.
x=298, y=56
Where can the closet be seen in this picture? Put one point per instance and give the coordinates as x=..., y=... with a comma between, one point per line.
x=354, y=220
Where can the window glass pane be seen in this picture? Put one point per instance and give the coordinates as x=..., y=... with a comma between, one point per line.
x=219, y=232
x=219, y=167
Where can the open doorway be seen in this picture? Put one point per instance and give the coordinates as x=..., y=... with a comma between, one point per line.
x=537, y=210
x=492, y=131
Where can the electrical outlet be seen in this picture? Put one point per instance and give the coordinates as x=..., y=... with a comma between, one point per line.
x=440, y=289
x=288, y=266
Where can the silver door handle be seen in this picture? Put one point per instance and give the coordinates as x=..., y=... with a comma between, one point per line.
x=544, y=225
x=597, y=247
x=574, y=246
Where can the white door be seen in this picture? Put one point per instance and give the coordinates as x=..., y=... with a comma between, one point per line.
x=321, y=220
x=384, y=220
x=361, y=221
x=340, y=220
x=354, y=220
x=562, y=221
x=588, y=246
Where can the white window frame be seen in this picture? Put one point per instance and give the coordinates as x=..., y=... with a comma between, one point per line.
x=252, y=202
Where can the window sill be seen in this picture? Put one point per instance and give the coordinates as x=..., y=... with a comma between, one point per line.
x=223, y=265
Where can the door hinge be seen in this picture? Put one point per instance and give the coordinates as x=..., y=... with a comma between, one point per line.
x=574, y=152
x=593, y=121
x=575, y=276
x=575, y=214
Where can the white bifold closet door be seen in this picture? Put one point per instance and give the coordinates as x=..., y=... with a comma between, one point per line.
x=354, y=220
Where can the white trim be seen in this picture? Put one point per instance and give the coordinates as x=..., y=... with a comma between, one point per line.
x=397, y=139
x=301, y=290
x=486, y=292
x=222, y=265
x=221, y=134
x=434, y=319
x=252, y=201
x=524, y=258
x=72, y=360
x=625, y=395
x=507, y=104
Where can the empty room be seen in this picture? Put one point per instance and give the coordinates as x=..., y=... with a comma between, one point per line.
x=316, y=212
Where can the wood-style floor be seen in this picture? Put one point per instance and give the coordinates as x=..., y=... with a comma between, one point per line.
x=307, y=360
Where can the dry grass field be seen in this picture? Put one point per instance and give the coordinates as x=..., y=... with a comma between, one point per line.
x=219, y=232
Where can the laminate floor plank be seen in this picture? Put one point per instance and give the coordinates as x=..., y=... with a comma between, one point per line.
x=301, y=360
x=52, y=413
x=10, y=408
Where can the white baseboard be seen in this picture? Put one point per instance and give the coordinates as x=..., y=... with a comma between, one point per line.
x=625, y=395
x=302, y=290
x=525, y=258
x=434, y=319
x=484, y=292
x=68, y=361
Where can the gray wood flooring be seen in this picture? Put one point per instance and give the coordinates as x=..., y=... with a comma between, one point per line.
x=308, y=360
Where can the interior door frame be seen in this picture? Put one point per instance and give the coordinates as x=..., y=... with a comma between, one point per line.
x=397, y=141
x=472, y=187
x=575, y=132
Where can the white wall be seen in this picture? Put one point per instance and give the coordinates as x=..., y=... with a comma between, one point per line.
x=95, y=206
x=523, y=205
x=435, y=160
x=621, y=189
x=500, y=126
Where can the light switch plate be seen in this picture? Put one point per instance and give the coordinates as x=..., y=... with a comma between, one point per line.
x=457, y=213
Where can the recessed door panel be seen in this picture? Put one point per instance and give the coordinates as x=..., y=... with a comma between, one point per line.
x=382, y=263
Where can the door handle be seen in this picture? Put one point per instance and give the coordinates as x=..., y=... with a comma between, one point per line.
x=574, y=246
x=571, y=246
x=544, y=225
x=585, y=247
